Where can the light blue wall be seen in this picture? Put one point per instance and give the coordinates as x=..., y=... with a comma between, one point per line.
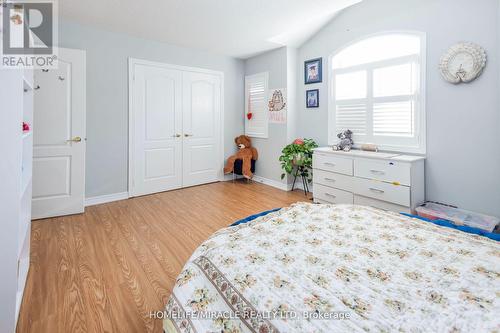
x=274, y=62
x=463, y=121
x=107, y=97
x=293, y=76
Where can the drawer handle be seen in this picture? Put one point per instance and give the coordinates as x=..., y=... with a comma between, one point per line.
x=330, y=195
x=378, y=172
x=376, y=190
x=330, y=180
x=330, y=164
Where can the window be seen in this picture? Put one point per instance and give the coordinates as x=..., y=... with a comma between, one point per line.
x=256, y=112
x=377, y=91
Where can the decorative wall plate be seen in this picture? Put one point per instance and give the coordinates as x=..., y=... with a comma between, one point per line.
x=463, y=62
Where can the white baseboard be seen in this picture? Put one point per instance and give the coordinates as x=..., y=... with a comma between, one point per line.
x=279, y=185
x=270, y=182
x=106, y=198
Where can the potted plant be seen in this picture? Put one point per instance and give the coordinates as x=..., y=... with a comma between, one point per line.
x=296, y=160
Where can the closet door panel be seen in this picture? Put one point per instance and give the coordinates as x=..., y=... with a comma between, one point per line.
x=201, y=128
x=157, y=127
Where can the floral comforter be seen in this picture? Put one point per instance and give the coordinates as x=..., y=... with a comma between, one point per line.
x=338, y=268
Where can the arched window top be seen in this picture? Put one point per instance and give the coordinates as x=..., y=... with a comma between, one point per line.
x=377, y=48
x=377, y=90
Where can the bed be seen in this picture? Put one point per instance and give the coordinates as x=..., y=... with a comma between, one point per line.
x=338, y=268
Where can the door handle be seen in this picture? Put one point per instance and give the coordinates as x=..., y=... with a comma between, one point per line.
x=330, y=195
x=376, y=190
x=330, y=180
x=377, y=171
x=75, y=139
x=188, y=135
x=176, y=136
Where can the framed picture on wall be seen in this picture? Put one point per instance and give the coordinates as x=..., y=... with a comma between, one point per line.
x=312, y=98
x=313, y=71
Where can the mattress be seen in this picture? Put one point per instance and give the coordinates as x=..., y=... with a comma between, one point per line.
x=338, y=268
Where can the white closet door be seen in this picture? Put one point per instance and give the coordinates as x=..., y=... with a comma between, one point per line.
x=156, y=124
x=201, y=128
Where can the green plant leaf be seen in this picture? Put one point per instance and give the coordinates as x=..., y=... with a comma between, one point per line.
x=298, y=157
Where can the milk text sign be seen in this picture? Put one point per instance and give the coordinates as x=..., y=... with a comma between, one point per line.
x=29, y=33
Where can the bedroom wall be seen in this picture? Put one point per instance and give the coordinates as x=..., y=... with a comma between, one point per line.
x=463, y=121
x=107, y=97
x=293, y=77
x=275, y=63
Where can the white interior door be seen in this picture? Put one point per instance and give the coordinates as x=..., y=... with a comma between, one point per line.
x=156, y=129
x=201, y=128
x=59, y=137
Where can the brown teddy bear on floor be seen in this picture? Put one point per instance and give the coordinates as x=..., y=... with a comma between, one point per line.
x=246, y=153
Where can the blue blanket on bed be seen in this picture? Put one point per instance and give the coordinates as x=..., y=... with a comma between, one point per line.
x=253, y=217
x=464, y=228
x=443, y=223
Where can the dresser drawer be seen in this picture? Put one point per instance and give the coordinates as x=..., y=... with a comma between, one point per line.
x=396, y=194
x=364, y=201
x=385, y=170
x=332, y=179
x=330, y=162
x=332, y=195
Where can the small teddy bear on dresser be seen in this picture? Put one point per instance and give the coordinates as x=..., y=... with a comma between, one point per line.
x=346, y=142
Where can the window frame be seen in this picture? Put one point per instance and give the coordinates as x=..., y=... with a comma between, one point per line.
x=399, y=144
x=249, y=131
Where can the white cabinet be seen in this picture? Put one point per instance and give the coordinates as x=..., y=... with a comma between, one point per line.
x=387, y=181
x=16, y=107
x=24, y=226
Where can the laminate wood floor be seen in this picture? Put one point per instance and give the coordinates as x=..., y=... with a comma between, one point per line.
x=106, y=269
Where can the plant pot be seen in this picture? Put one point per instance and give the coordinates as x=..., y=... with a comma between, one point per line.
x=298, y=159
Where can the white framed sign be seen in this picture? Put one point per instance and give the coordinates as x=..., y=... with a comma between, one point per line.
x=277, y=106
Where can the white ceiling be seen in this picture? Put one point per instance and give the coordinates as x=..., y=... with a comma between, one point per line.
x=238, y=28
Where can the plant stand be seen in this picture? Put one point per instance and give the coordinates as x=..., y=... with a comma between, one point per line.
x=296, y=160
x=304, y=182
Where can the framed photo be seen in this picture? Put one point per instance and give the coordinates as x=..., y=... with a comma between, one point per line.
x=313, y=71
x=312, y=98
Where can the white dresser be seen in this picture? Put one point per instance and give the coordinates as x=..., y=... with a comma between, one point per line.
x=388, y=181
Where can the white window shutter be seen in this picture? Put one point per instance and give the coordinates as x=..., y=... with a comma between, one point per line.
x=352, y=116
x=256, y=95
x=393, y=119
